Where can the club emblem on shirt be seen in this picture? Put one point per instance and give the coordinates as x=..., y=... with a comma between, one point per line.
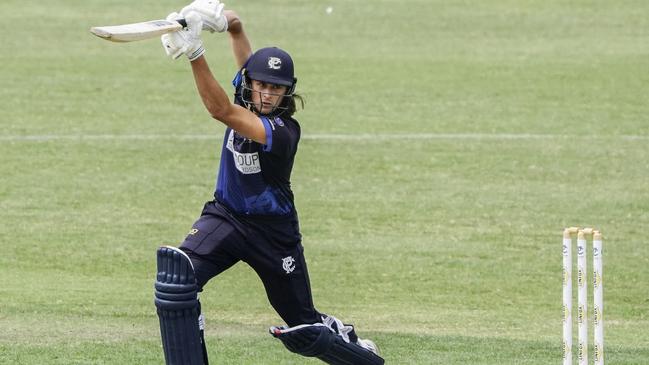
x=288, y=264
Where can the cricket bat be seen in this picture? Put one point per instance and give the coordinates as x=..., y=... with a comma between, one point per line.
x=138, y=31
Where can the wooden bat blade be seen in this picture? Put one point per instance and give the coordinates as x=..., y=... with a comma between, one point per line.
x=137, y=31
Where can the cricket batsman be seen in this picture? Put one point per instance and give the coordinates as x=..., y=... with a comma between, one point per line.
x=252, y=217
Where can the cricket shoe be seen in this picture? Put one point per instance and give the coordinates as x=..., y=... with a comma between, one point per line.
x=369, y=345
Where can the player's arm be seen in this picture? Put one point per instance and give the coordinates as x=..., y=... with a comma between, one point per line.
x=188, y=42
x=240, y=43
x=219, y=106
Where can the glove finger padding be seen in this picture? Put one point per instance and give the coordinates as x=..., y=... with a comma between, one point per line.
x=185, y=41
x=211, y=12
x=194, y=27
x=174, y=47
x=172, y=43
x=194, y=24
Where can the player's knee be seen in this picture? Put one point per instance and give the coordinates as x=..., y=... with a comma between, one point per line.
x=175, y=286
x=199, y=267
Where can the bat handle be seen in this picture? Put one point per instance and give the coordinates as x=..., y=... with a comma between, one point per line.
x=182, y=22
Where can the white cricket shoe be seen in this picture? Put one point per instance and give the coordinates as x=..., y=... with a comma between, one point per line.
x=369, y=345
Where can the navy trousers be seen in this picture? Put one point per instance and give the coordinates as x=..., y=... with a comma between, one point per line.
x=219, y=239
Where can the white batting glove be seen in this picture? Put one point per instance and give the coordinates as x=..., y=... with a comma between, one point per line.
x=211, y=12
x=185, y=41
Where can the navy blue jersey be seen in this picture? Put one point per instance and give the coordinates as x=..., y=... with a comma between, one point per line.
x=254, y=179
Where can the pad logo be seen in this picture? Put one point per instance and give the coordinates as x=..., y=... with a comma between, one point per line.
x=193, y=231
x=288, y=264
x=274, y=63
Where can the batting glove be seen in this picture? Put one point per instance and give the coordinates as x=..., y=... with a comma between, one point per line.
x=185, y=41
x=211, y=12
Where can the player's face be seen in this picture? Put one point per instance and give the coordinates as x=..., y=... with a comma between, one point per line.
x=266, y=97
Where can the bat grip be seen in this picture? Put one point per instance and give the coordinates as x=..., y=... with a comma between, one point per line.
x=182, y=22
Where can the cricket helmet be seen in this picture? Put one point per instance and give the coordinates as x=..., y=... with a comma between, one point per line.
x=271, y=65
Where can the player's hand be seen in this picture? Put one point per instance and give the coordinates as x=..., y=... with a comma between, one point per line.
x=211, y=12
x=185, y=41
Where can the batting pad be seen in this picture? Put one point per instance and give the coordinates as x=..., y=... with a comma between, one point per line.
x=176, y=300
x=317, y=340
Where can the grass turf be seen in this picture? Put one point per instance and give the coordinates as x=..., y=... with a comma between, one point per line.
x=513, y=120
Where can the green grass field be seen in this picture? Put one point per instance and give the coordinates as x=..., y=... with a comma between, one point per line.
x=445, y=146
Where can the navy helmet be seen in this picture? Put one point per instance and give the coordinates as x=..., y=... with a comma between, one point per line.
x=271, y=65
